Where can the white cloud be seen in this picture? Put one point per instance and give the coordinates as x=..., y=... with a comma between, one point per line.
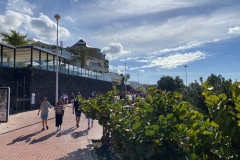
x=118, y=69
x=111, y=67
x=235, y=30
x=189, y=45
x=114, y=51
x=20, y=6
x=45, y=28
x=111, y=10
x=11, y=20
x=74, y=1
x=174, y=60
x=17, y=17
x=179, y=48
x=141, y=70
x=174, y=34
x=130, y=59
x=68, y=18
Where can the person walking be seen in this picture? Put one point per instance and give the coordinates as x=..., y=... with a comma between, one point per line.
x=77, y=111
x=59, y=114
x=44, y=112
x=72, y=99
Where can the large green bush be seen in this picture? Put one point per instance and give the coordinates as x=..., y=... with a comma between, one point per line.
x=163, y=126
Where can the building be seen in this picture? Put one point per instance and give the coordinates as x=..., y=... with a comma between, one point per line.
x=29, y=71
x=95, y=60
x=80, y=43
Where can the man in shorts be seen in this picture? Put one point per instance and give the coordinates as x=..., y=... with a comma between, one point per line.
x=77, y=111
x=44, y=112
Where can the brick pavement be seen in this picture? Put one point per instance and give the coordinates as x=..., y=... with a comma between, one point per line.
x=22, y=139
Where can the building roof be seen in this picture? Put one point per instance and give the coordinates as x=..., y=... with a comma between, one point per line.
x=41, y=49
x=7, y=45
x=81, y=41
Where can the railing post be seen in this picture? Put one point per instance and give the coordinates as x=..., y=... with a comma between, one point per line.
x=31, y=56
x=1, y=55
x=14, y=58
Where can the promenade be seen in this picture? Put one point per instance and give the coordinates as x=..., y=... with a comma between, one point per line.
x=22, y=138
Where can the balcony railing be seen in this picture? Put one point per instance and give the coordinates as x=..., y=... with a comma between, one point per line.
x=31, y=56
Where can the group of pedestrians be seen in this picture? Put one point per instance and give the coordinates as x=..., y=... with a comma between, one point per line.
x=59, y=111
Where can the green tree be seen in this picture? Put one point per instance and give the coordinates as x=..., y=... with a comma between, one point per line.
x=14, y=38
x=194, y=91
x=220, y=85
x=179, y=84
x=194, y=96
x=80, y=56
x=169, y=84
x=166, y=83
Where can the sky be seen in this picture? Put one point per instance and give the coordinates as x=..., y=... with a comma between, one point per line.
x=155, y=38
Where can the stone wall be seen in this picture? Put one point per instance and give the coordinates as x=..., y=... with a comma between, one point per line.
x=43, y=84
x=25, y=81
x=7, y=79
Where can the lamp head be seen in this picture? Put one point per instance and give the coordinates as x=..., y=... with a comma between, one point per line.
x=57, y=17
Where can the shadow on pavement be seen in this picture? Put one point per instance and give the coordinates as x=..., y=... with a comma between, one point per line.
x=65, y=132
x=76, y=135
x=26, y=138
x=85, y=153
x=25, y=126
x=44, y=138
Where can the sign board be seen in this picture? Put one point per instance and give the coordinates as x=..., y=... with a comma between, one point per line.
x=4, y=104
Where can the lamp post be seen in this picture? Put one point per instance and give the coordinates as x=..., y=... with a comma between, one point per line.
x=125, y=80
x=57, y=17
x=186, y=73
x=138, y=80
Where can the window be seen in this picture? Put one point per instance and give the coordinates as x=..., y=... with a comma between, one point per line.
x=50, y=62
x=8, y=57
x=23, y=57
x=62, y=67
x=97, y=51
x=94, y=64
x=36, y=60
x=44, y=60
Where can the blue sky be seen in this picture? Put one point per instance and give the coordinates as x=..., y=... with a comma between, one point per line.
x=154, y=38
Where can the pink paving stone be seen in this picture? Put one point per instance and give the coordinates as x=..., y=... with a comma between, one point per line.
x=22, y=138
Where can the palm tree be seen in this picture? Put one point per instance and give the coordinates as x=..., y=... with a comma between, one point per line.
x=81, y=57
x=14, y=38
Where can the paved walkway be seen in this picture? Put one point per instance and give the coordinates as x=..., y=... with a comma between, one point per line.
x=22, y=139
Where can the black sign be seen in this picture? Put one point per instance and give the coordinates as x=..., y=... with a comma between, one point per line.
x=4, y=104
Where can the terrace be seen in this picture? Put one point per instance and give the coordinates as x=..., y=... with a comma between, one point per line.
x=36, y=57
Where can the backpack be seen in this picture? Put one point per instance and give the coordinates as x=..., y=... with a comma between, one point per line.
x=59, y=109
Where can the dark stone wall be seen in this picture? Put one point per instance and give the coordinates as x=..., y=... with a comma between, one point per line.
x=7, y=79
x=43, y=84
x=25, y=81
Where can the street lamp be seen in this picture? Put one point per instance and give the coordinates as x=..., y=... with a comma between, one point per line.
x=186, y=73
x=125, y=80
x=138, y=80
x=57, y=17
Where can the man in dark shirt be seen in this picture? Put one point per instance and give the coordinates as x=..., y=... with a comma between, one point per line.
x=77, y=111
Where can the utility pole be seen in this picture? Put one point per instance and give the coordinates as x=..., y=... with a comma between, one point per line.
x=138, y=80
x=186, y=73
x=57, y=17
x=125, y=80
